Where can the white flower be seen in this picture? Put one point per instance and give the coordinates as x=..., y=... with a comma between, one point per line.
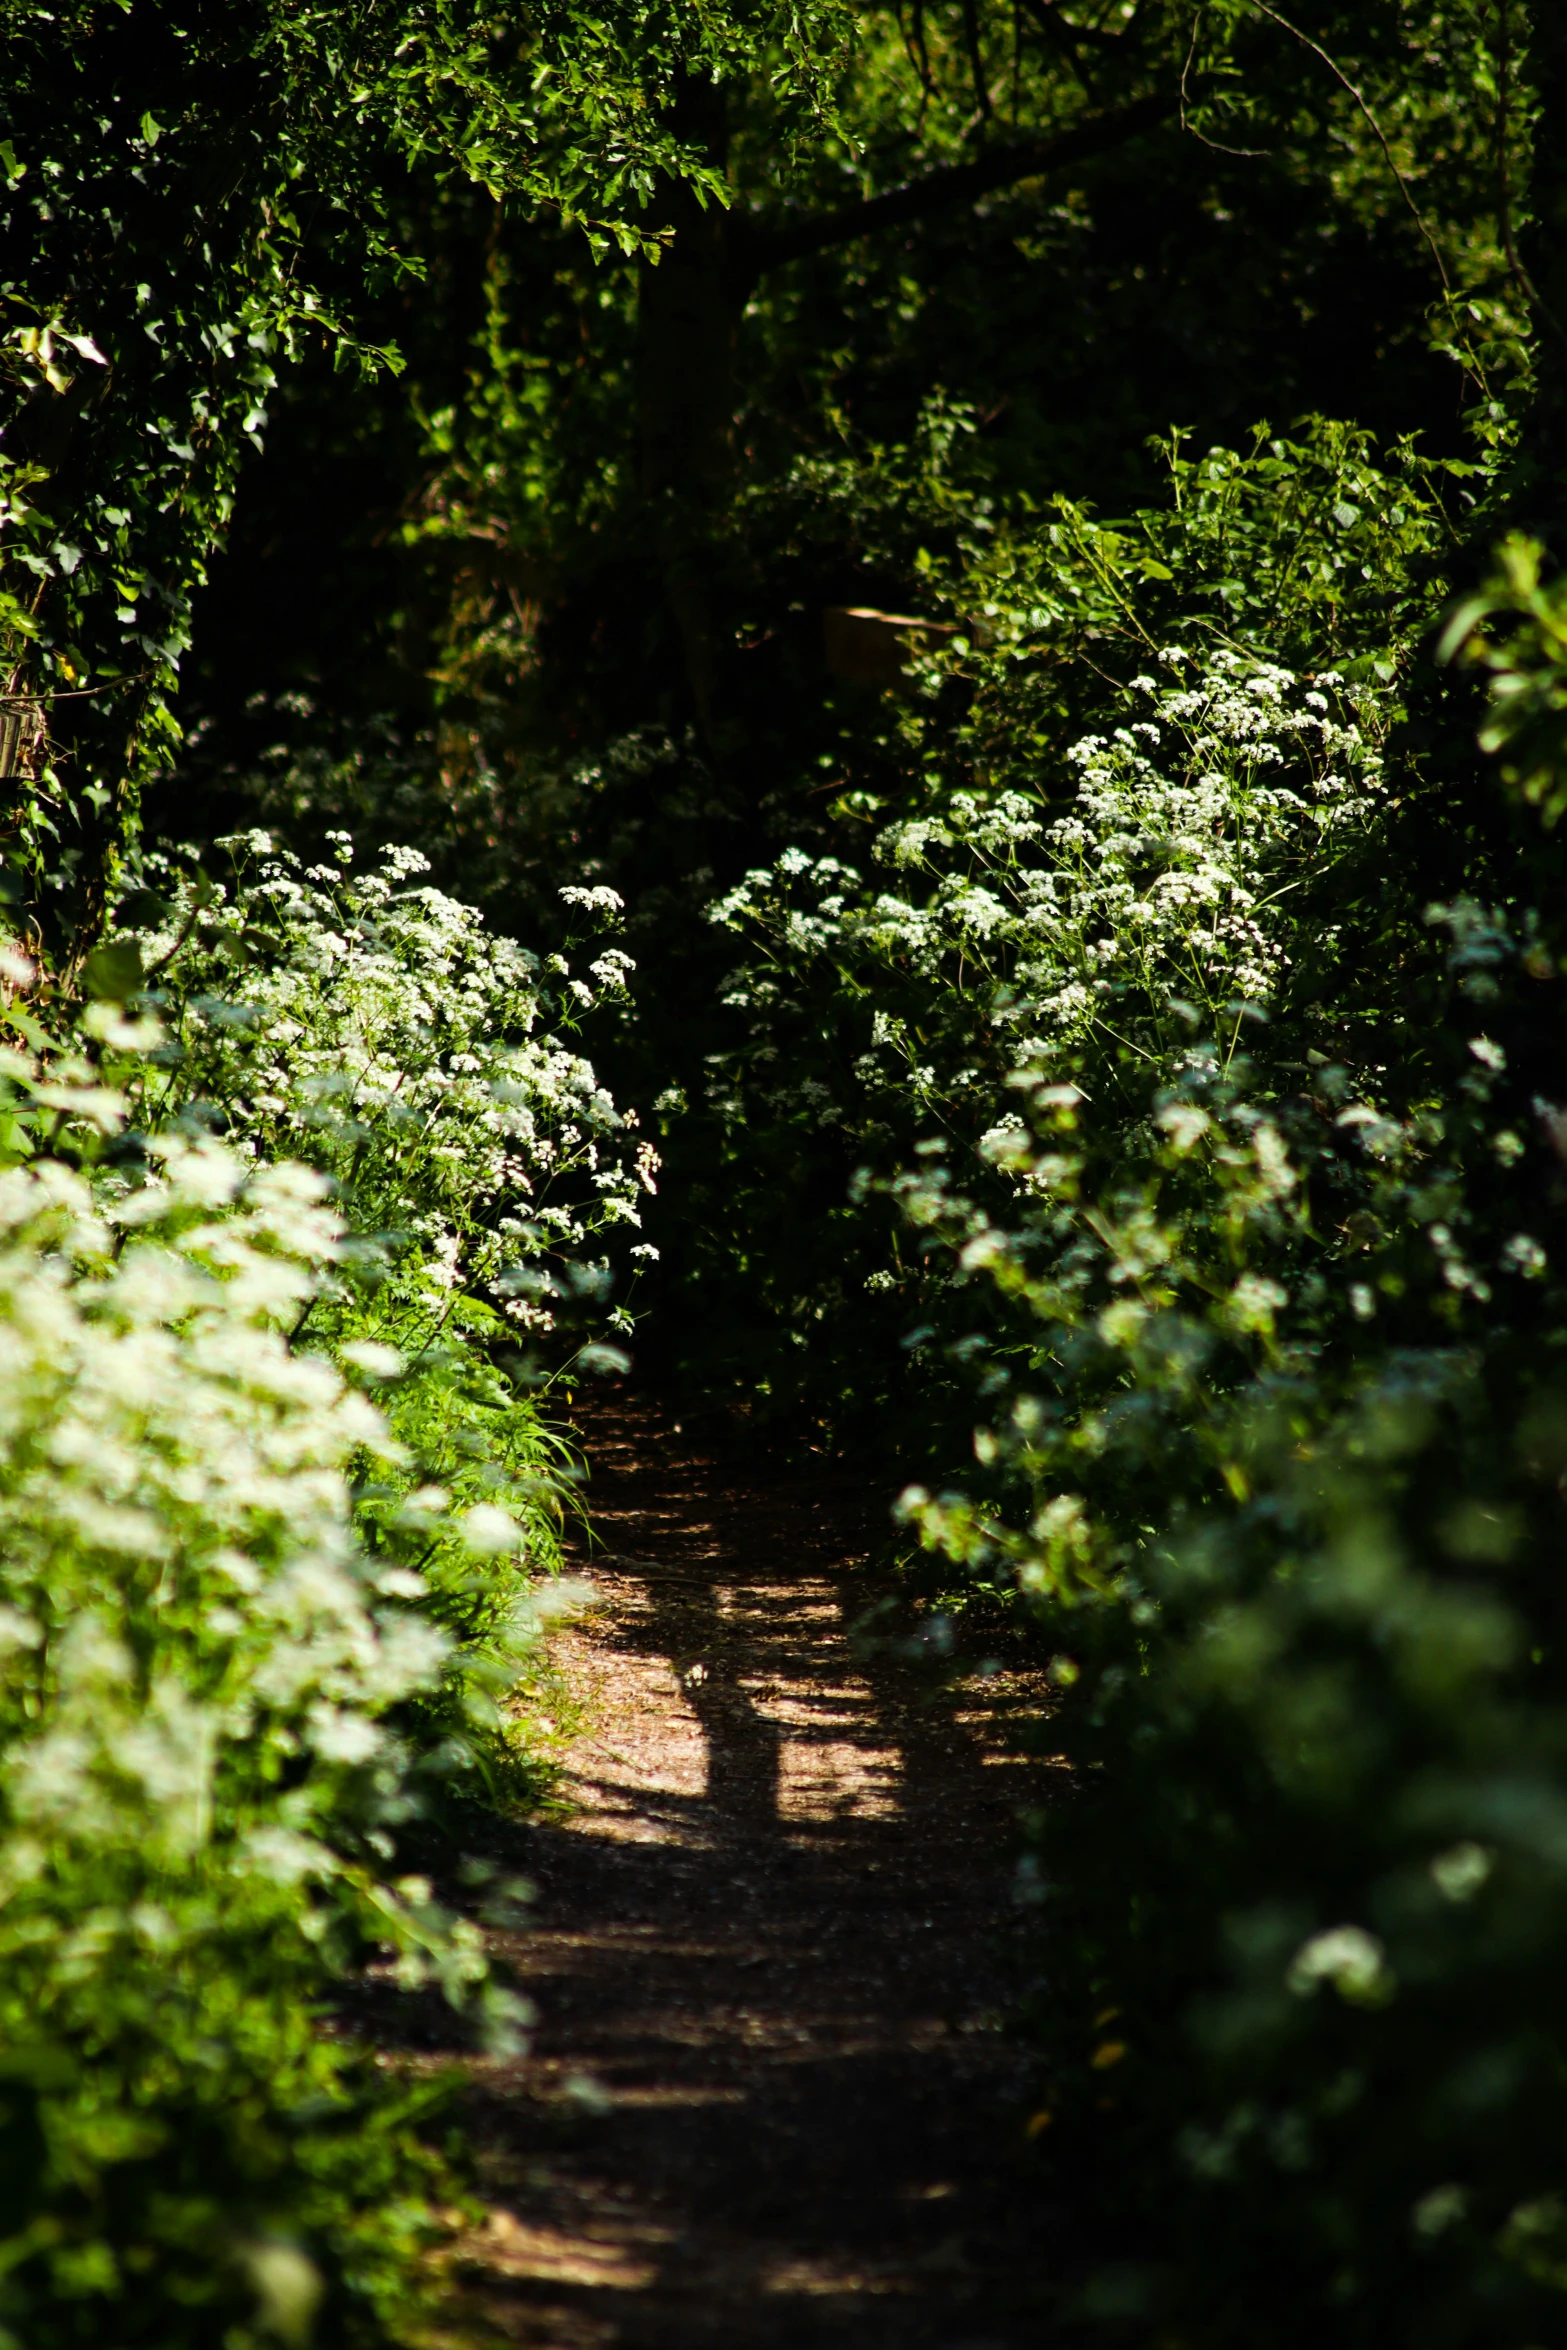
x=489, y=1530
x=598, y=900
x=374, y=1358
x=1353, y=1961
x=1184, y=1123
x=1254, y=1301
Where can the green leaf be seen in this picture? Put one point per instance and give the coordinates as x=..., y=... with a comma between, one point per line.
x=1461, y=623
x=114, y=973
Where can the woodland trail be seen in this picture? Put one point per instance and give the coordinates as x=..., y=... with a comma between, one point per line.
x=769, y=2100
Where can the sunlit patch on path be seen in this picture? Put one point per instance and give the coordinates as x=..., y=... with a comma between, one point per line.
x=770, y=2101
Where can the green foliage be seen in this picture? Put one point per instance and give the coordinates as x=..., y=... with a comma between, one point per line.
x=1228, y=1170
x=199, y=1786
x=1137, y=1033
x=189, y=199
x=1307, y=1617
x=1105, y=901
x=501, y=589
x=1527, y=670
x=373, y=1028
x=254, y=1622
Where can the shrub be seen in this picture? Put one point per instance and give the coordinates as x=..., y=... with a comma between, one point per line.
x=372, y=1027
x=1228, y=1167
x=250, y=1619
x=1117, y=829
x=200, y=1790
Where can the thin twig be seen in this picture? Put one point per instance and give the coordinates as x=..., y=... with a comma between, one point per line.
x=76, y=693
x=922, y=48
x=1344, y=82
x=909, y=49
x=1250, y=153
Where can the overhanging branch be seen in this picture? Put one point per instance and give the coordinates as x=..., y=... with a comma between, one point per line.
x=954, y=183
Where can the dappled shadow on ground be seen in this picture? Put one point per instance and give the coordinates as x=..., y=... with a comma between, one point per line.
x=769, y=2100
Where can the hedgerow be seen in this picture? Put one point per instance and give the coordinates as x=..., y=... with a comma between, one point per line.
x=281, y=1523
x=1226, y=1186
x=1124, y=764
x=373, y=1027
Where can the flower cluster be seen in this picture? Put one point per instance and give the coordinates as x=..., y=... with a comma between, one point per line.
x=377, y=1025
x=201, y=1662
x=1162, y=895
x=277, y=1532
x=187, y=1606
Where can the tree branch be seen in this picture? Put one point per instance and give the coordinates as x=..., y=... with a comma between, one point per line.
x=955, y=183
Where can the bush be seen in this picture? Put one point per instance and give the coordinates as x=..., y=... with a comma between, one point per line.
x=1227, y=1170
x=1116, y=828
x=245, y=1632
x=370, y=1025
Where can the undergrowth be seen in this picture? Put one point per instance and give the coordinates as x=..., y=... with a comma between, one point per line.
x=1214, y=1162
x=289, y=1210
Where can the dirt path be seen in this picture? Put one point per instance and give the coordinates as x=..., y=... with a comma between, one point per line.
x=769, y=2101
